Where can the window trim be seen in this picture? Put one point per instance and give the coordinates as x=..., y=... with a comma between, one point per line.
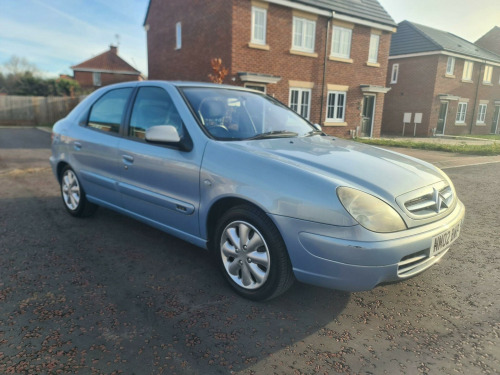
x=394, y=73
x=342, y=30
x=451, y=71
x=253, y=39
x=303, y=48
x=301, y=90
x=461, y=115
x=335, y=106
x=481, y=114
x=178, y=35
x=377, y=46
x=468, y=71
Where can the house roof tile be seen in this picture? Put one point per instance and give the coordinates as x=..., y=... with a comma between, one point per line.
x=108, y=61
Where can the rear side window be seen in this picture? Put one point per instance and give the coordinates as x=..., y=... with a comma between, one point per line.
x=153, y=106
x=107, y=113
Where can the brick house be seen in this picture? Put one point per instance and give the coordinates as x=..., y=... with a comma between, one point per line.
x=453, y=83
x=104, y=69
x=325, y=59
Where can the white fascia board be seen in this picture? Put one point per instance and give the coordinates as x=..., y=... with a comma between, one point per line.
x=305, y=8
x=360, y=21
x=446, y=53
x=105, y=71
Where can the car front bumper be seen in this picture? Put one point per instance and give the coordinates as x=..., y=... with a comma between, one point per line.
x=355, y=259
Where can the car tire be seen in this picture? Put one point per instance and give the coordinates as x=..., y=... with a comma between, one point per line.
x=251, y=254
x=73, y=195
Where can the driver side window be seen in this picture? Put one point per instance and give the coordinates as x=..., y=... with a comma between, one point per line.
x=153, y=106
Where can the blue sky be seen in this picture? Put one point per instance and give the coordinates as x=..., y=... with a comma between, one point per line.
x=55, y=34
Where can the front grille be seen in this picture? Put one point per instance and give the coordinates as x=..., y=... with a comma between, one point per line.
x=430, y=204
x=415, y=263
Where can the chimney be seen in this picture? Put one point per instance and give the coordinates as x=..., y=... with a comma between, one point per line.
x=113, y=49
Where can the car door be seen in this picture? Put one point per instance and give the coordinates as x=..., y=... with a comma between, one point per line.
x=159, y=183
x=95, y=147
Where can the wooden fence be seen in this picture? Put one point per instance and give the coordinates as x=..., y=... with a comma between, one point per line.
x=35, y=110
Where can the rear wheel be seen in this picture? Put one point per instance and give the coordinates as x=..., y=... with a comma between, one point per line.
x=251, y=254
x=73, y=195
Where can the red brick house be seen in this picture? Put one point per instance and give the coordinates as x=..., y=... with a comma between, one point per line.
x=453, y=83
x=325, y=59
x=105, y=69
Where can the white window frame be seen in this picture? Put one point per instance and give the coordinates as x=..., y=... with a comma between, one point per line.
x=295, y=106
x=461, y=113
x=178, y=35
x=395, y=73
x=450, y=65
x=342, y=32
x=373, y=50
x=468, y=70
x=481, y=113
x=302, y=33
x=488, y=73
x=255, y=39
x=97, y=79
x=335, y=106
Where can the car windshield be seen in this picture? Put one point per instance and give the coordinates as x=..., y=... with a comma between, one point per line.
x=236, y=114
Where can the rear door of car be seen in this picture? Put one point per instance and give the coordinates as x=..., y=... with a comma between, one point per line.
x=159, y=182
x=95, y=147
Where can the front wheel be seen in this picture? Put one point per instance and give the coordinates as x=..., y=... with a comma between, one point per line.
x=251, y=254
x=73, y=195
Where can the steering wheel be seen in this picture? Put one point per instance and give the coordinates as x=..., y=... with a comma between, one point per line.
x=219, y=131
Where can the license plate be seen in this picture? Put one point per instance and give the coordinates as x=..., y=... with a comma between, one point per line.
x=444, y=240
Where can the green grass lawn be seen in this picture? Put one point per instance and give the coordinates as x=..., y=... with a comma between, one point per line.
x=495, y=137
x=485, y=150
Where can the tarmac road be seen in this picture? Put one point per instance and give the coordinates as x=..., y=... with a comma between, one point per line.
x=110, y=295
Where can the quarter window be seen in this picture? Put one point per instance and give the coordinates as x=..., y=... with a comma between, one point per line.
x=450, y=66
x=336, y=106
x=341, y=42
x=153, y=106
x=107, y=113
x=488, y=72
x=461, y=113
x=304, y=32
x=373, y=53
x=259, y=20
x=468, y=68
x=300, y=101
x=481, y=115
x=395, y=73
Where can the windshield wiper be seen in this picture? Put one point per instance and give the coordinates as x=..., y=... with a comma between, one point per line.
x=275, y=134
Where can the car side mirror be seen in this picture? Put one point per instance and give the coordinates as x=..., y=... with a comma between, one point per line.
x=163, y=134
x=318, y=127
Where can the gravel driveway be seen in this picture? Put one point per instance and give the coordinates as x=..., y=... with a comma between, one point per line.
x=109, y=295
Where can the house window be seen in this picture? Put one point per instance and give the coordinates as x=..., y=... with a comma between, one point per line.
x=336, y=106
x=450, y=66
x=481, y=115
x=304, y=32
x=341, y=42
x=257, y=87
x=373, y=53
x=178, y=35
x=300, y=101
x=259, y=19
x=488, y=72
x=395, y=73
x=461, y=112
x=96, y=78
x=468, y=68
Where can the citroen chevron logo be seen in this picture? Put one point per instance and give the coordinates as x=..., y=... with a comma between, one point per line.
x=439, y=199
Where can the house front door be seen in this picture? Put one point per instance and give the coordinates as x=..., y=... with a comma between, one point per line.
x=496, y=116
x=443, y=112
x=368, y=115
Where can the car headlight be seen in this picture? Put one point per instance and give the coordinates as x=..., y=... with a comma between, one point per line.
x=369, y=211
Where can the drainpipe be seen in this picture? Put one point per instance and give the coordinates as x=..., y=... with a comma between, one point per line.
x=324, y=70
x=477, y=93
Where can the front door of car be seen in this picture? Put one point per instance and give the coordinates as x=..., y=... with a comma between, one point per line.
x=95, y=148
x=159, y=183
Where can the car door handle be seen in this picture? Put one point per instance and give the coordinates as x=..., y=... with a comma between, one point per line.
x=128, y=159
x=77, y=146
